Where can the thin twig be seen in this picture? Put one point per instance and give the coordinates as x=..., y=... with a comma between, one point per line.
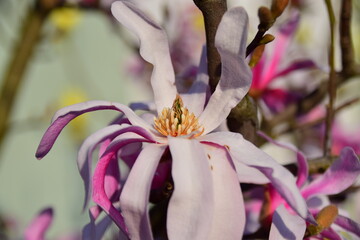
x=17, y=66
x=331, y=82
x=212, y=10
x=346, y=44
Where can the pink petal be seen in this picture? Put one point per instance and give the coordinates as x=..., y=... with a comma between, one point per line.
x=190, y=211
x=39, y=225
x=229, y=210
x=348, y=224
x=84, y=159
x=134, y=198
x=330, y=234
x=297, y=65
x=286, y=226
x=303, y=168
x=99, y=195
x=341, y=175
x=244, y=151
x=236, y=75
x=154, y=48
x=66, y=114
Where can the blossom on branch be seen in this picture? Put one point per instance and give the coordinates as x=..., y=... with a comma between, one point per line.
x=206, y=165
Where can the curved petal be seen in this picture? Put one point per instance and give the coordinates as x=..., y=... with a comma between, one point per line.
x=229, y=210
x=195, y=99
x=329, y=233
x=341, y=175
x=244, y=151
x=99, y=195
x=297, y=65
x=134, y=199
x=39, y=225
x=286, y=226
x=84, y=158
x=236, y=75
x=245, y=173
x=303, y=168
x=348, y=224
x=154, y=48
x=190, y=210
x=66, y=114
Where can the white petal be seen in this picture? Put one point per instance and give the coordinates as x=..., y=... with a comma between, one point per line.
x=134, y=198
x=236, y=75
x=190, y=210
x=154, y=48
x=229, y=210
x=286, y=226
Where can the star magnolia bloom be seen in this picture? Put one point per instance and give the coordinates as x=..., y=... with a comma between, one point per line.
x=268, y=69
x=341, y=175
x=206, y=166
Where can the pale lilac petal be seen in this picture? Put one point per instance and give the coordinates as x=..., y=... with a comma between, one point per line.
x=244, y=151
x=195, y=99
x=348, y=224
x=303, y=168
x=236, y=75
x=99, y=195
x=84, y=159
x=145, y=106
x=190, y=211
x=134, y=197
x=286, y=226
x=66, y=114
x=39, y=225
x=341, y=175
x=229, y=210
x=154, y=48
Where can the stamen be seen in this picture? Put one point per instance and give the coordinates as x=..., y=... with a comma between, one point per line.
x=178, y=121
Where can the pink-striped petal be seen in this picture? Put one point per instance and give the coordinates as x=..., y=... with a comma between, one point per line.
x=348, y=224
x=244, y=151
x=66, y=114
x=134, y=199
x=236, y=75
x=303, y=168
x=229, y=210
x=84, y=159
x=297, y=65
x=154, y=48
x=190, y=211
x=99, y=195
x=286, y=226
x=341, y=175
x=39, y=225
x=330, y=234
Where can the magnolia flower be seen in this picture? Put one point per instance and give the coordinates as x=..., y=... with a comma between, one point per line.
x=206, y=165
x=269, y=69
x=341, y=175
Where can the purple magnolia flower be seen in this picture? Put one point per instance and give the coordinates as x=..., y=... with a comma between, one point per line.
x=341, y=175
x=269, y=69
x=206, y=165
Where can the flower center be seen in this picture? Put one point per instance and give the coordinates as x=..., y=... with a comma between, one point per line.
x=177, y=121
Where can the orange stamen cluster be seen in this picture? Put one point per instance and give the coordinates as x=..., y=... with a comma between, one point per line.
x=177, y=121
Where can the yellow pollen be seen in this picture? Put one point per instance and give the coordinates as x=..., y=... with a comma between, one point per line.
x=178, y=121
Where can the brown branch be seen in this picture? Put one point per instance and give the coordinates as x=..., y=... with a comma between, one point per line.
x=212, y=10
x=13, y=77
x=346, y=44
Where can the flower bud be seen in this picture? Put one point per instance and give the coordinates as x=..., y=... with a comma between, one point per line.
x=278, y=6
x=266, y=18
